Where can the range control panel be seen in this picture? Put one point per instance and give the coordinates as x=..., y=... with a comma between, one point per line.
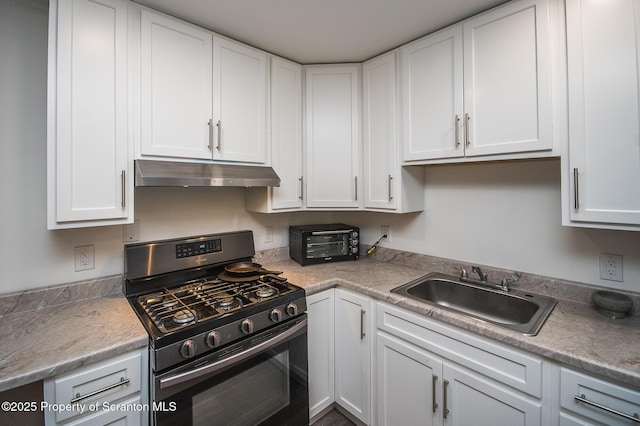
x=198, y=248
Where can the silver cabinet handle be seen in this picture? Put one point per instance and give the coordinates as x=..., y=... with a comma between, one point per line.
x=576, y=200
x=356, y=180
x=457, y=130
x=390, y=185
x=583, y=398
x=433, y=392
x=123, y=182
x=219, y=144
x=467, y=129
x=210, y=124
x=445, y=410
x=362, y=333
x=301, y=187
x=78, y=398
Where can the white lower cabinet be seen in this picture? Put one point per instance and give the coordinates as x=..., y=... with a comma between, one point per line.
x=320, y=312
x=586, y=400
x=340, y=324
x=432, y=374
x=113, y=391
x=353, y=325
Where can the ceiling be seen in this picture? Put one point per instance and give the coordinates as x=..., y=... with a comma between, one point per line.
x=323, y=31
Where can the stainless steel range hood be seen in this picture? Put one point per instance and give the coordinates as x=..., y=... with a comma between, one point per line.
x=173, y=173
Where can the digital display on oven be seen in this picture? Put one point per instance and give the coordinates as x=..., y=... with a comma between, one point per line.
x=198, y=248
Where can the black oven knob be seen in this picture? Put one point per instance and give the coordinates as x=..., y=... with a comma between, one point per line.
x=213, y=339
x=188, y=349
x=246, y=326
x=292, y=309
x=275, y=315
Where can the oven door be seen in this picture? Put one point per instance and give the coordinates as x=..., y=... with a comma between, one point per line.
x=261, y=380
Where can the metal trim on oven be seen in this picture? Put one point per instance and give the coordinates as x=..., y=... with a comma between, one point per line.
x=232, y=360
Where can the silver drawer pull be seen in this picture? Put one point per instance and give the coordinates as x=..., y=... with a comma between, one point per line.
x=583, y=398
x=78, y=398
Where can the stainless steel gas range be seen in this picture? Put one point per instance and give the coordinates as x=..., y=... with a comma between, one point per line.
x=228, y=339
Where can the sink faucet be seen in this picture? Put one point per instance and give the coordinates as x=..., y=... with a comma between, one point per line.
x=482, y=275
x=484, y=279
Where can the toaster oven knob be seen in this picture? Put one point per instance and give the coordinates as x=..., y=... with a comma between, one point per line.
x=292, y=309
x=188, y=349
x=275, y=315
x=213, y=339
x=246, y=326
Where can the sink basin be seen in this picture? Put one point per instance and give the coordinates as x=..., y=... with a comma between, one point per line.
x=516, y=310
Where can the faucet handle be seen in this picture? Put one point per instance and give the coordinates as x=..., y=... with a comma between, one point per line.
x=505, y=283
x=463, y=272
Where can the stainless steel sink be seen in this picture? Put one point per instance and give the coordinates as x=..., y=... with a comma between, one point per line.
x=516, y=310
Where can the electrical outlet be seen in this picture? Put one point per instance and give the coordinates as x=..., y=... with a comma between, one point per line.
x=386, y=230
x=611, y=267
x=84, y=257
x=268, y=234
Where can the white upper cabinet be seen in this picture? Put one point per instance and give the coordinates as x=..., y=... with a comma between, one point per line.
x=89, y=169
x=201, y=96
x=176, y=92
x=286, y=133
x=432, y=96
x=286, y=142
x=602, y=175
x=387, y=185
x=332, y=136
x=482, y=87
x=240, y=102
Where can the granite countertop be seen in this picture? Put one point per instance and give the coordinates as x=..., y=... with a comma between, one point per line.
x=45, y=339
x=575, y=334
x=39, y=343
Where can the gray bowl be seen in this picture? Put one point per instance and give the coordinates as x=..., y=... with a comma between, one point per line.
x=611, y=304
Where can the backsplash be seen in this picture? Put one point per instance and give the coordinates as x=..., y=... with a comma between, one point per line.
x=30, y=300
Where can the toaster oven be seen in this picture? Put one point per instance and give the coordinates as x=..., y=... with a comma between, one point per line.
x=313, y=244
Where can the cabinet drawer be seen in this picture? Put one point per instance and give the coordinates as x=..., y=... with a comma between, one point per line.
x=500, y=362
x=105, y=381
x=597, y=391
x=115, y=416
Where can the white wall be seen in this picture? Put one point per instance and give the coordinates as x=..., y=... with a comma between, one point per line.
x=504, y=214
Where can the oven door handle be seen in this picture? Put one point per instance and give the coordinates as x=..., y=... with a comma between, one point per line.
x=167, y=382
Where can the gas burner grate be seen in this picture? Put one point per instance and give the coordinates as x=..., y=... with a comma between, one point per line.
x=206, y=298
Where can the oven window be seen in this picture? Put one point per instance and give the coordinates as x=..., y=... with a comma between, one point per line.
x=269, y=388
x=248, y=397
x=320, y=246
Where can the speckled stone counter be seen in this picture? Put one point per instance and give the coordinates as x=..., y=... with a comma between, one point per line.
x=575, y=334
x=52, y=331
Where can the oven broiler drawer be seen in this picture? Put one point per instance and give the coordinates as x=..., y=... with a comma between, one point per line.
x=94, y=385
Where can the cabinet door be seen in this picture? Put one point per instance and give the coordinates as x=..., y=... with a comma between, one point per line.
x=432, y=96
x=176, y=98
x=320, y=311
x=379, y=135
x=240, y=102
x=353, y=320
x=332, y=136
x=604, y=117
x=90, y=177
x=507, y=98
x=471, y=400
x=409, y=384
x=286, y=133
